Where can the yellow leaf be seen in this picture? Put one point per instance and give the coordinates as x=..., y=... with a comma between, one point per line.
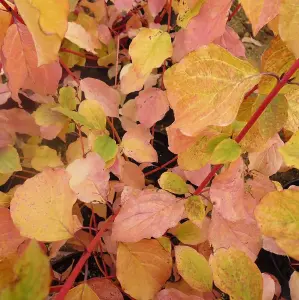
x=288, y=24
x=277, y=214
x=97, y=8
x=45, y=116
x=142, y=268
x=5, y=19
x=235, y=274
x=290, y=151
x=207, y=87
x=195, y=208
x=47, y=22
x=186, y=13
x=75, y=151
x=189, y=233
x=81, y=292
x=149, y=49
x=270, y=64
x=194, y=268
x=7, y=273
x=290, y=247
x=173, y=183
x=9, y=160
x=4, y=178
x=292, y=123
x=42, y=207
x=44, y=157
x=67, y=97
x=72, y=59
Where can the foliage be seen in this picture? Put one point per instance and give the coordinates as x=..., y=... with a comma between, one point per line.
x=80, y=157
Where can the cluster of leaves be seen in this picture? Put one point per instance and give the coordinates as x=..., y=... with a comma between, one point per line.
x=228, y=115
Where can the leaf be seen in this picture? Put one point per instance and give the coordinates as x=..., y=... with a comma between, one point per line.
x=71, y=59
x=149, y=49
x=226, y=151
x=236, y=275
x=288, y=24
x=289, y=247
x=123, y=4
x=106, y=147
x=231, y=42
x=207, y=88
x=270, y=64
x=78, y=35
x=260, y=12
x=47, y=22
x=33, y=276
x=9, y=160
x=277, y=214
x=269, y=160
x=132, y=175
x=5, y=21
x=292, y=123
x=150, y=267
x=74, y=150
x=173, y=183
x=173, y=294
x=194, y=268
x=268, y=287
x=45, y=116
x=155, y=6
x=186, y=12
x=67, y=97
x=227, y=192
x=156, y=211
x=10, y=238
x=5, y=93
x=105, y=289
x=45, y=157
x=89, y=179
x=197, y=177
x=42, y=207
x=94, y=113
x=136, y=144
x=4, y=178
x=20, y=64
x=195, y=208
x=243, y=235
x=108, y=97
x=210, y=21
x=289, y=151
x=81, y=292
x=294, y=285
x=151, y=105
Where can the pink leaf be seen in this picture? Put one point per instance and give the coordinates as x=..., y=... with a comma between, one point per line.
x=4, y=93
x=124, y=4
x=152, y=105
x=108, y=97
x=270, y=245
x=243, y=235
x=231, y=42
x=6, y=138
x=89, y=179
x=146, y=214
x=174, y=294
x=155, y=6
x=198, y=176
x=104, y=34
x=10, y=237
x=268, y=161
x=210, y=23
x=105, y=289
x=177, y=141
x=268, y=287
x=227, y=192
x=20, y=64
x=132, y=175
x=18, y=120
x=50, y=132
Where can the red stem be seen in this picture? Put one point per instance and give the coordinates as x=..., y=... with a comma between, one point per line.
x=79, y=54
x=77, y=269
x=253, y=119
x=69, y=71
x=10, y=10
x=234, y=12
x=161, y=167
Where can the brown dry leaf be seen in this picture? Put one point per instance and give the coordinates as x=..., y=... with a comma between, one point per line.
x=105, y=289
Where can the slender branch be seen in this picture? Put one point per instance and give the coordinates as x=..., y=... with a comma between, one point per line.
x=114, y=130
x=69, y=71
x=161, y=167
x=77, y=269
x=253, y=119
x=116, y=63
x=234, y=12
x=10, y=10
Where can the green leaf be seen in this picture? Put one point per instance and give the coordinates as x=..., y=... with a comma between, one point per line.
x=278, y=214
x=290, y=151
x=67, y=97
x=173, y=183
x=195, y=208
x=47, y=114
x=189, y=233
x=72, y=59
x=94, y=113
x=106, y=147
x=194, y=268
x=33, y=276
x=212, y=144
x=226, y=151
x=9, y=160
x=235, y=274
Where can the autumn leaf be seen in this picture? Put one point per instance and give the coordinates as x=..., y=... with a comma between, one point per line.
x=290, y=152
x=9, y=160
x=156, y=211
x=81, y=292
x=33, y=276
x=195, y=208
x=5, y=19
x=142, y=268
x=71, y=59
x=149, y=49
x=235, y=274
x=194, y=268
x=42, y=207
x=203, y=92
x=260, y=12
x=105, y=289
x=294, y=285
x=288, y=24
x=67, y=97
x=186, y=13
x=106, y=147
x=47, y=22
x=173, y=183
x=175, y=295
x=155, y=6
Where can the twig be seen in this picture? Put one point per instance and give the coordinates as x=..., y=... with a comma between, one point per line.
x=69, y=71
x=10, y=10
x=114, y=130
x=234, y=12
x=161, y=167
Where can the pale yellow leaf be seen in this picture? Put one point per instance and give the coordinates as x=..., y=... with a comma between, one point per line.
x=81, y=292
x=290, y=151
x=292, y=123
